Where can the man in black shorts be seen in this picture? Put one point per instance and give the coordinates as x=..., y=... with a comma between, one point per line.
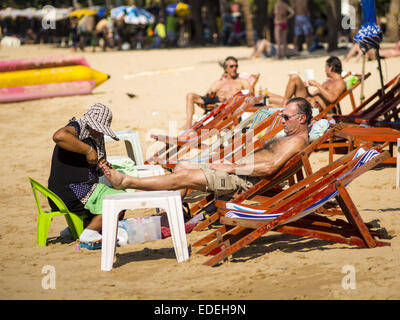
x=220, y=91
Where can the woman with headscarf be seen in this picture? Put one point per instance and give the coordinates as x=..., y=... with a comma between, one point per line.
x=74, y=175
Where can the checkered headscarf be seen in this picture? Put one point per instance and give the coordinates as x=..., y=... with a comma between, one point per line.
x=99, y=118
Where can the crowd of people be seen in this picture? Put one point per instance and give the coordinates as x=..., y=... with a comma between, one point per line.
x=108, y=32
x=171, y=30
x=313, y=31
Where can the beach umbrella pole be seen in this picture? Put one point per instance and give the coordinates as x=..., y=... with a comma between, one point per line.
x=362, y=79
x=378, y=58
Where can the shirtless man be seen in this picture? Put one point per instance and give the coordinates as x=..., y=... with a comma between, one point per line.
x=228, y=179
x=283, y=12
x=326, y=93
x=219, y=91
x=302, y=24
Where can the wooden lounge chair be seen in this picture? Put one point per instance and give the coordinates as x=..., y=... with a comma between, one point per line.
x=294, y=170
x=352, y=136
x=377, y=110
x=230, y=145
x=223, y=117
x=292, y=211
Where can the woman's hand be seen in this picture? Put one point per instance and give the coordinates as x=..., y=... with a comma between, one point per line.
x=91, y=156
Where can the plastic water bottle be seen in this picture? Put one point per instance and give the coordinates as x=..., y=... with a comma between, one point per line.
x=130, y=226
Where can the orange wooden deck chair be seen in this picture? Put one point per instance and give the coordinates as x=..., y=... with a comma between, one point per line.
x=292, y=211
x=294, y=170
x=223, y=117
x=230, y=145
x=239, y=145
x=351, y=136
x=378, y=109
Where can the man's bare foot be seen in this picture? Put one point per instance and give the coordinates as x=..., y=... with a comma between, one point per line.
x=115, y=177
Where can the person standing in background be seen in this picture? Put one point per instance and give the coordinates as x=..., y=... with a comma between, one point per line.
x=283, y=12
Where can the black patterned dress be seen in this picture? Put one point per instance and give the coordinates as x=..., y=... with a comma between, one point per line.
x=72, y=178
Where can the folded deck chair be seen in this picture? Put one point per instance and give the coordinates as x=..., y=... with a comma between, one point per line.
x=292, y=211
x=224, y=117
x=378, y=109
x=351, y=136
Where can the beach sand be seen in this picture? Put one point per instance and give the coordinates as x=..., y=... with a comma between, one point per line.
x=273, y=267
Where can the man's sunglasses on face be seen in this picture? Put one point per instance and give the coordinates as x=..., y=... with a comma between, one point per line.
x=286, y=117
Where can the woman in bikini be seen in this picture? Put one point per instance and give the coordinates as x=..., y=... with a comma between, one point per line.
x=281, y=11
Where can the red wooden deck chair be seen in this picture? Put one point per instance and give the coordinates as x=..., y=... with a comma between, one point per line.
x=294, y=170
x=292, y=211
x=377, y=109
x=224, y=117
x=239, y=145
x=230, y=145
x=352, y=136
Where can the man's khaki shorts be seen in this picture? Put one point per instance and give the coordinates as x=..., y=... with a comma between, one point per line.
x=223, y=183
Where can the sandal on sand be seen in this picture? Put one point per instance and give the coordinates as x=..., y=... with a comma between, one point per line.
x=91, y=245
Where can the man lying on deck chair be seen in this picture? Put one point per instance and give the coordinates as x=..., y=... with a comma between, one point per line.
x=228, y=179
x=326, y=93
x=219, y=91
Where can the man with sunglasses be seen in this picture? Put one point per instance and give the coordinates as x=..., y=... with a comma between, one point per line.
x=220, y=91
x=226, y=179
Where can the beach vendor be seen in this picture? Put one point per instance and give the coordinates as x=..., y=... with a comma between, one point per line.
x=75, y=169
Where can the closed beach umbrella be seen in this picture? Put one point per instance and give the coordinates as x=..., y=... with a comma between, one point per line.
x=370, y=35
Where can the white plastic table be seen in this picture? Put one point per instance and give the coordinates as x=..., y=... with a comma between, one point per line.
x=170, y=201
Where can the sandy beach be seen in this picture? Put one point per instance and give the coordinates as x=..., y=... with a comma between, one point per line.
x=274, y=267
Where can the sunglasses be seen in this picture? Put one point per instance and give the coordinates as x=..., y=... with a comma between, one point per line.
x=233, y=66
x=286, y=117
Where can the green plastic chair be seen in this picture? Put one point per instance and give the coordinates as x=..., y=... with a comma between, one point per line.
x=75, y=222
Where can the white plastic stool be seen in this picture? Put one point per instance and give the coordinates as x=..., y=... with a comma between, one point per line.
x=132, y=144
x=170, y=201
